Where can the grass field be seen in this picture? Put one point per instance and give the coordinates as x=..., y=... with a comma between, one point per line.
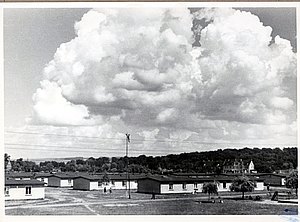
x=60, y=201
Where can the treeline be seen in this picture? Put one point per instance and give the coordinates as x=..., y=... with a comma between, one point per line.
x=266, y=160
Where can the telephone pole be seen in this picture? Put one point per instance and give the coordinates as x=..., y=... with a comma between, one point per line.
x=127, y=163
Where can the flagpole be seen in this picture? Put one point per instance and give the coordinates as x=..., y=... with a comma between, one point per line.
x=127, y=163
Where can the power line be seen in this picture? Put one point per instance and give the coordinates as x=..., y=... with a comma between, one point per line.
x=139, y=152
x=69, y=148
x=61, y=135
x=149, y=140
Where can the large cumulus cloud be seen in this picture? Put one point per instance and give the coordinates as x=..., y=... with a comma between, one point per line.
x=137, y=69
x=244, y=75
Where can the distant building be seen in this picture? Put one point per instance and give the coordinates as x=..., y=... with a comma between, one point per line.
x=8, y=166
x=42, y=177
x=19, y=175
x=115, y=182
x=286, y=171
x=178, y=184
x=119, y=181
x=273, y=179
x=61, y=179
x=24, y=189
x=238, y=167
x=87, y=182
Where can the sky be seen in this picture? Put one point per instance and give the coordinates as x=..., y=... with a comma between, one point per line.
x=177, y=80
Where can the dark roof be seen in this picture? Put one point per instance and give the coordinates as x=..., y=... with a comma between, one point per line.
x=162, y=178
x=41, y=174
x=168, y=179
x=68, y=175
x=124, y=176
x=91, y=177
x=269, y=174
x=18, y=174
x=121, y=176
x=23, y=182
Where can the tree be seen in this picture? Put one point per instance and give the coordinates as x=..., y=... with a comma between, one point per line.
x=210, y=188
x=105, y=178
x=6, y=159
x=292, y=181
x=242, y=184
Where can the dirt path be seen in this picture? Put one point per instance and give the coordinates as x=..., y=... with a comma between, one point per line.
x=112, y=201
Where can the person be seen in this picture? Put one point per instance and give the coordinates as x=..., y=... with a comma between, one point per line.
x=153, y=196
x=110, y=191
x=104, y=190
x=268, y=187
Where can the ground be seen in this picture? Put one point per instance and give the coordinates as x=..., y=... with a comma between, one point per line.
x=64, y=201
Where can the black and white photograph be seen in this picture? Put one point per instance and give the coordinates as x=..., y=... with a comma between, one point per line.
x=150, y=110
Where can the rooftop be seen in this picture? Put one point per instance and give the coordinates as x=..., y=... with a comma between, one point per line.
x=220, y=178
x=18, y=174
x=23, y=182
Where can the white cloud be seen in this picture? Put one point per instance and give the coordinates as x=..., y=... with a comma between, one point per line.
x=52, y=108
x=282, y=102
x=136, y=70
x=167, y=115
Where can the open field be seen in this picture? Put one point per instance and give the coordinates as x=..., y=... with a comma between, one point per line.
x=62, y=201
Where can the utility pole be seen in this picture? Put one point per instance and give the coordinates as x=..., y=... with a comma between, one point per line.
x=127, y=163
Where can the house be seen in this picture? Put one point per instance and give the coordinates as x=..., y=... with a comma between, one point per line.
x=159, y=184
x=251, y=168
x=88, y=182
x=8, y=166
x=286, y=171
x=120, y=181
x=24, y=189
x=273, y=179
x=61, y=179
x=42, y=177
x=113, y=181
x=238, y=166
x=19, y=175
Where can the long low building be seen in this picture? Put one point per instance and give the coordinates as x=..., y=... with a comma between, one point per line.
x=88, y=182
x=42, y=177
x=19, y=175
x=24, y=189
x=113, y=181
x=175, y=184
x=273, y=179
x=61, y=179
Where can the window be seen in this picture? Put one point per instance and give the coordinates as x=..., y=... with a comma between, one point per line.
x=184, y=186
x=195, y=185
x=69, y=181
x=6, y=191
x=170, y=186
x=28, y=190
x=224, y=185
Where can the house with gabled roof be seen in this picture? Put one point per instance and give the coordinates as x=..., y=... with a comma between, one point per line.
x=41, y=176
x=24, y=189
x=113, y=181
x=62, y=179
x=88, y=182
x=120, y=181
